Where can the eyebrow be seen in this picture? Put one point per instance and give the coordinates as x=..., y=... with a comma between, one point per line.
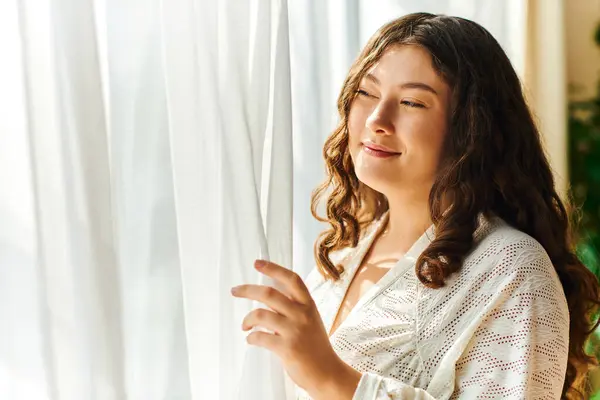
x=406, y=85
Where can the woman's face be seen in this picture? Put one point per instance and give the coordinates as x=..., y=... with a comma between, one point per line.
x=402, y=105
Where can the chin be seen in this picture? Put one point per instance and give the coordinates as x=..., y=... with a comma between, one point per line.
x=377, y=182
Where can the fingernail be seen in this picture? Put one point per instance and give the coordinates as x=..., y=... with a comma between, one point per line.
x=258, y=264
x=235, y=290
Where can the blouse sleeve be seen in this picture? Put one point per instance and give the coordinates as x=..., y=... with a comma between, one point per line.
x=517, y=348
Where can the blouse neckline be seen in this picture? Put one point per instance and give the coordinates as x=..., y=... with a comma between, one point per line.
x=355, y=258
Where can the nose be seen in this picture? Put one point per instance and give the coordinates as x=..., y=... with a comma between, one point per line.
x=380, y=120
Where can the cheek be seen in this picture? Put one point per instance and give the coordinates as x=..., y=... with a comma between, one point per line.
x=356, y=125
x=426, y=141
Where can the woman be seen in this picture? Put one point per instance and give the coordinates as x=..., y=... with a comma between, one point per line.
x=448, y=270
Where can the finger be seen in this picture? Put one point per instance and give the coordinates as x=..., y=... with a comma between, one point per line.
x=267, y=295
x=265, y=319
x=291, y=282
x=266, y=340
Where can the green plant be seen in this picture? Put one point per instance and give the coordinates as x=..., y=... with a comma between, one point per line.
x=584, y=160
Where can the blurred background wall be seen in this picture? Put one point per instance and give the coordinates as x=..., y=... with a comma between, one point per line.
x=583, y=56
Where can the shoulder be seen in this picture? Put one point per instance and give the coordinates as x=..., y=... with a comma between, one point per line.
x=509, y=257
x=497, y=241
x=507, y=276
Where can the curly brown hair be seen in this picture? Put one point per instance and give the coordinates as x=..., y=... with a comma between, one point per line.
x=494, y=164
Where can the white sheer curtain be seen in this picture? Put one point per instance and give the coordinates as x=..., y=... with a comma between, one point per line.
x=228, y=91
x=145, y=162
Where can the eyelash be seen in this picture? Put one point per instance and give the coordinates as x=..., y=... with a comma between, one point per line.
x=407, y=103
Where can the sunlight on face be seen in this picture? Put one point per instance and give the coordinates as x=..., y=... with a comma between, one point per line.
x=402, y=107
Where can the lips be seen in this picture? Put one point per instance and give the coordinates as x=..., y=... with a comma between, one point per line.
x=370, y=147
x=376, y=152
x=379, y=147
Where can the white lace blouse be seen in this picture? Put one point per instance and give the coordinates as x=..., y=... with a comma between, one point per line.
x=498, y=329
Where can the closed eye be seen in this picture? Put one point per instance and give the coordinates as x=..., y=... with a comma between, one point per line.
x=412, y=104
x=407, y=103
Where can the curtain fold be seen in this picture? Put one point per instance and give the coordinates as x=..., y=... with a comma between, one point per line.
x=151, y=167
x=75, y=247
x=155, y=348
x=232, y=181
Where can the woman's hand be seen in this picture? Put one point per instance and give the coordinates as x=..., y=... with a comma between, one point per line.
x=299, y=339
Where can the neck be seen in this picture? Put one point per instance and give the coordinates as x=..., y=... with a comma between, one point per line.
x=408, y=218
